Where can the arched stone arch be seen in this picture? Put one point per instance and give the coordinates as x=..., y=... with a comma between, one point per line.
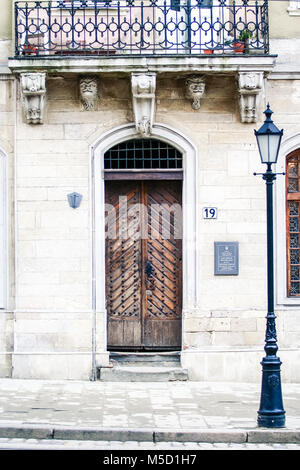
x=189, y=204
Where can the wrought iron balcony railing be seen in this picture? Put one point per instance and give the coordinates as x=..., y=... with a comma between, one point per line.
x=140, y=27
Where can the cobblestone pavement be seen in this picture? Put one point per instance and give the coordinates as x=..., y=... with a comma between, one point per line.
x=87, y=415
x=51, y=444
x=165, y=405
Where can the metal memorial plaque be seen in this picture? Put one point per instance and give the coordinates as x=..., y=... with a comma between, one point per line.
x=226, y=258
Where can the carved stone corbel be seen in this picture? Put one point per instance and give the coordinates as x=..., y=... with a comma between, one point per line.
x=195, y=88
x=143, y=98
x=250, y=86
x=33, y=88
x=88, y=87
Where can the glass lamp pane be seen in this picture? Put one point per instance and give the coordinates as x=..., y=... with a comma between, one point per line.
x=268, y=147
x=263, y=146
x=273, y=147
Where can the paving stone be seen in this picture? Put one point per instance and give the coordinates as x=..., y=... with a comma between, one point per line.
x=163, y=408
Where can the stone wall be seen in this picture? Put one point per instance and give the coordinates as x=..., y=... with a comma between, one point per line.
x=54, y=315
x=47, y=329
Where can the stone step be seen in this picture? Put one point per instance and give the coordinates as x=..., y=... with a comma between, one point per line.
x=142, y=374
x=146, y=359
x=143, y=367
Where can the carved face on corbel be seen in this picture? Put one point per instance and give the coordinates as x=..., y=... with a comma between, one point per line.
x=32, y=83
x=144, y=127
x=144, y=84
x=195, y=87
x=33, y=87
x=88, y=87
x=251, y=81
x=33, y=110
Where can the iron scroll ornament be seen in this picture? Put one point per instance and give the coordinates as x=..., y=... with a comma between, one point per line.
x=148, y=27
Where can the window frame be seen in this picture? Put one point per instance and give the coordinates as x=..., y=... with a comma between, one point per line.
x=292, y=196
x=288, y=145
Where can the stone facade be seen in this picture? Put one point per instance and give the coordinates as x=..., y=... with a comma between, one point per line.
x=51, y=325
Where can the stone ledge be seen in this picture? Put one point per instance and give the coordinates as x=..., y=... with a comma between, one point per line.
x=155, y=64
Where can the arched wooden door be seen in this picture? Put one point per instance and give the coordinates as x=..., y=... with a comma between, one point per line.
x=144, y=257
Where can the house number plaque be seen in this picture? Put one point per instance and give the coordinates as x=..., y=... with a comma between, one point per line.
x=226, y=258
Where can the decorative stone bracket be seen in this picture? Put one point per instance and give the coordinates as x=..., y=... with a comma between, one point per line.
x=88, y=87
x=33, y=87
x=250, y=87
x=143, y=98
x=195, y=88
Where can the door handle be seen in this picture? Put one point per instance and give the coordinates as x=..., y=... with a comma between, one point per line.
x=149, y=269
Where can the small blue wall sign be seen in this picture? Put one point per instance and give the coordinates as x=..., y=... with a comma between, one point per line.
x=210, y=212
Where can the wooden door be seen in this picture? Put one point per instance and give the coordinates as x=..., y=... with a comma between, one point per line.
x=143, y=264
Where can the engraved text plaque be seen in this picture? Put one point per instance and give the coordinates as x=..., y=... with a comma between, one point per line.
x=226, y=258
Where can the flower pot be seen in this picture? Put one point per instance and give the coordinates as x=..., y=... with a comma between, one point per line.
x=238, y=47
x=208, y=51
x=30, y=49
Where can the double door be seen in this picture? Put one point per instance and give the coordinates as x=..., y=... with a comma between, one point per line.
x=143, y=264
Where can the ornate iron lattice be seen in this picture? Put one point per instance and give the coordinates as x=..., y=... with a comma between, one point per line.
x=86, y=27
x=293, y=200
x=142, y=154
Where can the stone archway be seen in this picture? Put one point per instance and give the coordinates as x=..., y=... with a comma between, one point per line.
x=189, y=204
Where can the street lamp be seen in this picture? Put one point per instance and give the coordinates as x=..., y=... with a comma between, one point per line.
x=271, y=413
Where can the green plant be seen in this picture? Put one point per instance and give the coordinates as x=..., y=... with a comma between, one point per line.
x=245, y=34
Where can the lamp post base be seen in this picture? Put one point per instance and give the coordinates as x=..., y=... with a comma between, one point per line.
x=271, y=421
x=271, y=413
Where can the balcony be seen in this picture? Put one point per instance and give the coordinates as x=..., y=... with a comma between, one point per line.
x=140, y=28
x=143, y=39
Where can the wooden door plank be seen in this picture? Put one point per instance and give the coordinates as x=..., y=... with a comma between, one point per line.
x=162, y=322
x=143, y=311
x=122, y=269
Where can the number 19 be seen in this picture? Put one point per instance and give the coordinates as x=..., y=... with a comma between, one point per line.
x=210, y=213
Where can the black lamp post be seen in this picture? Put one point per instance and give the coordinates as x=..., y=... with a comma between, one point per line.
x=271, y=413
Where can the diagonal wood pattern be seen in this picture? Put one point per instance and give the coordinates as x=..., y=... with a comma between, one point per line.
x=143, y=263
x=164, y=250
x=122, y=253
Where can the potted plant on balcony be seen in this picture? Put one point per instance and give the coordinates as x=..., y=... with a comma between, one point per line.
x=208, y=51
x=242, y=45
x=29, y=49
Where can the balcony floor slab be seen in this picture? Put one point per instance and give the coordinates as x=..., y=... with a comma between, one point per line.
x=162, y=64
